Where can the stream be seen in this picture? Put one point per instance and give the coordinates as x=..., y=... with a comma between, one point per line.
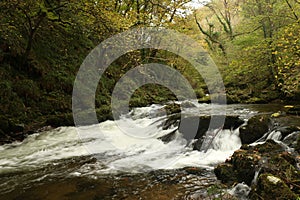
x=109, y=164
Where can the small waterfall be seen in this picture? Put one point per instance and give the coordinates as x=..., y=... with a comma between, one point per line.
x=108, y=150
x=275, y=135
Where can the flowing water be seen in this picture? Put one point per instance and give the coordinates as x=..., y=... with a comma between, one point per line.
x=108, y=163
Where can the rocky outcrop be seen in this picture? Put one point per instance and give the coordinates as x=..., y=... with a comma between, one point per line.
x=264, y=167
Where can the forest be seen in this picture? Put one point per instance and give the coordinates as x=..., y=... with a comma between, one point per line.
x=255, y=44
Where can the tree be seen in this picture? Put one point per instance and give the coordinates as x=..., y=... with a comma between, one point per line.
x=25, y=18
x=218, y=26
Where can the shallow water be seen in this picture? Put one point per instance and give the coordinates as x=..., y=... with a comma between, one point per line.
x=121, y=159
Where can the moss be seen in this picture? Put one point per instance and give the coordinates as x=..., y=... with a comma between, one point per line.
x=226, y=173
x=272, y=187
x=172, y=108
x=244, y=163
x=270, y=146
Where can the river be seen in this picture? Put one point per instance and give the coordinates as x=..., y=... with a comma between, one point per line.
x=109, y=164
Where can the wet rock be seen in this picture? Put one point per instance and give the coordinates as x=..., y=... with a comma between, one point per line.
x=267, y=158
x=168, y=137
x=272, y=187
x=292, y=140
x=226, y=173
x=269, y=147
x=256, y=127
x=194, y=170
x=196, y=127
x=244, y=163
x=232, y=122
x=173, y=120
x=293, y=110
x=287, y=130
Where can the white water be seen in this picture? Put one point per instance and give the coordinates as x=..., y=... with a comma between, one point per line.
x=115, y=149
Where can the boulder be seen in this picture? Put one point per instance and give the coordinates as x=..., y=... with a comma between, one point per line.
x=226, y=173
x=272, y=187
x=268, y=158
x=196, y=127
x=256, y=127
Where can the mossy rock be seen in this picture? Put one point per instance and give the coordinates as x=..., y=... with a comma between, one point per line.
x=226, y=173
x=272, y=187
x=244, y=163
x=256, y=127
x=270, y=146
x=172, y=108
x=270, y=157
